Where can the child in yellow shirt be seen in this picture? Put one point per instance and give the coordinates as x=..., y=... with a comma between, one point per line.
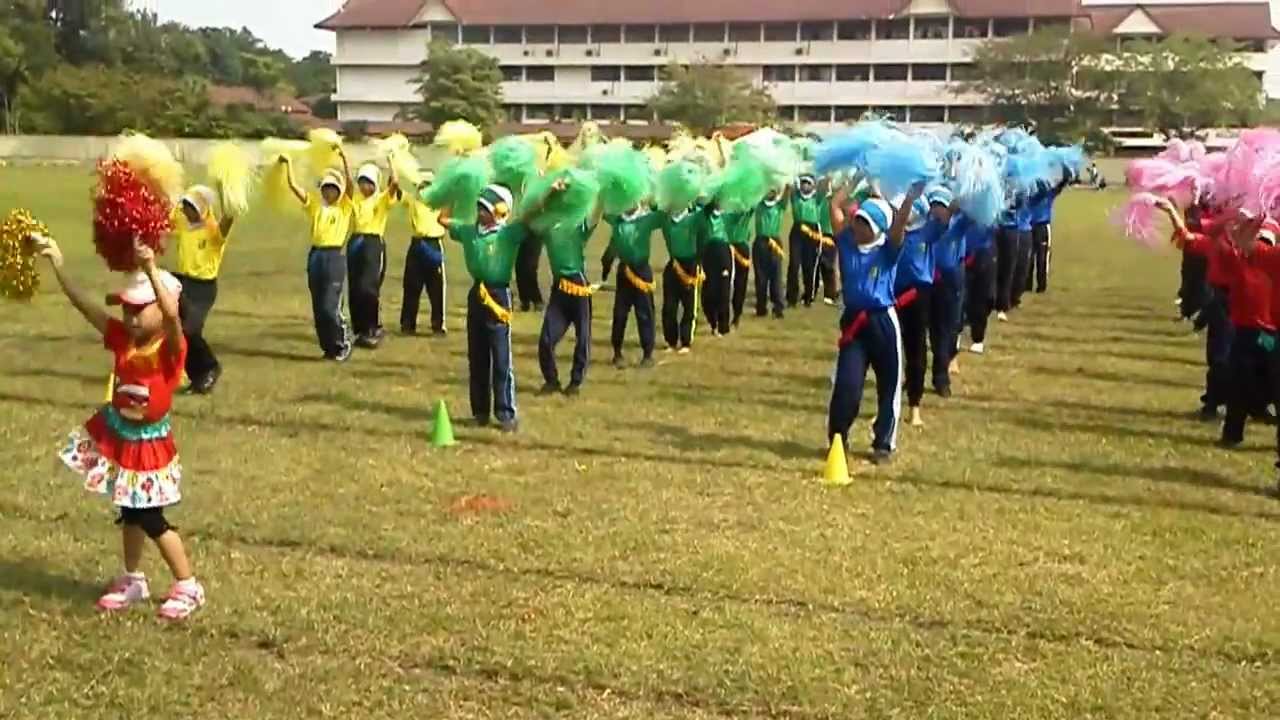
x=201, y=241
x=424, y=263
x=367, y=252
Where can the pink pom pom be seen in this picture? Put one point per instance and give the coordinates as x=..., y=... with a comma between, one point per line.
x=1180, y=182
x=1138, y=218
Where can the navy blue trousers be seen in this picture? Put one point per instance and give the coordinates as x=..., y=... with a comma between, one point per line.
x=628, y=298
x=1217, y=349
x=565, y=310
x=944, y=322
x=717, y=293
x=914, y=325
x=326, y=272
x=980, y=293
x=366, y=268
x=493, y=376
x=878, y=346
x=423, y=269
x=768, y=270
x=1253, y=382
x=678, y=301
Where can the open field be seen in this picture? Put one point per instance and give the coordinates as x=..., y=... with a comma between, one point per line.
x=1062, y=541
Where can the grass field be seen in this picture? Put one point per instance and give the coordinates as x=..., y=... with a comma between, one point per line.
x=1061, y=542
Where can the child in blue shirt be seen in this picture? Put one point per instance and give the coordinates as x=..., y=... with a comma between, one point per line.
x=980, y=283
x=869, y=246
x=1042, y=234
x=914, y=290
x=1013, y=254
x=948, y=285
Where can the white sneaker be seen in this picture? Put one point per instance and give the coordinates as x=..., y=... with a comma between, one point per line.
x=977, y=348
x=124, y=592
x=828, y=301
x=184, y=598
x=1002, y=316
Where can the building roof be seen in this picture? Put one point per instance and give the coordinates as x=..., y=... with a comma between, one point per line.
x=225, y=95
x=1243, y=20
x=403, y=13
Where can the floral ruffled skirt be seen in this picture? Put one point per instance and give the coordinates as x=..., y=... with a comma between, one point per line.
x=134, y=464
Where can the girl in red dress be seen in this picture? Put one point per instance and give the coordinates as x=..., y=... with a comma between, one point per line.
x=126, y=450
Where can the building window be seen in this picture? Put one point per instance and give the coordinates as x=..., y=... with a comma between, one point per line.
x=606, y=73
x=787, y=113
x=892, y=112
x=1009, y=27
x=673, y=33
x=540, y=73
x=854, y=30
x=853, y=73
x=971, y=28
x=964, y=72
x=932, y=73
x=636, y=113
x=575, y=113
x=447, y=32
x=778, y=73
x=850, y=113
x=708, y=33
x=513, y=113
x=512, y=73
x=815, y=114
x=539, y=112
x=886, y=73
x=573, y=34
x=968, y=114
x=508, y=35
x=540, y=34
x=899, y=29
x=815, y=73
x=608, y=113
x=780, y=32
x=817, y=31
x=744, y=32
x=928, y=114
x=475, y=35
x=932, y=28
x=640, y=34
x=606, y=34
x=1053, y=23
x=640, y=73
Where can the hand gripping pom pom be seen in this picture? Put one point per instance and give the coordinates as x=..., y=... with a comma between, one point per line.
x=19, y=278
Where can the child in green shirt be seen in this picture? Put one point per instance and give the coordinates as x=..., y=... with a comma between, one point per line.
x=631, y=244
x=569, y=304
x=682, y=277
x=768, y=255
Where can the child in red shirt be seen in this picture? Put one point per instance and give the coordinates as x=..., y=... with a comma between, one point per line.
x=126, y=450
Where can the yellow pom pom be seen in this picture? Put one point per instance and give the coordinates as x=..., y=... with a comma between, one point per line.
x=459, y=137
x=152, y=161
x=400, y=157
x=231, y=170
x=19, y=278
x=274, y=188
x=323, y=153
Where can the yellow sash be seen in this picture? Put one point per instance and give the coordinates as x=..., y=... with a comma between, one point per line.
x=776, y=247
x=636, y=281
x=569, y=287
x=500, y=313
x=742, y=260
x=686, y=279
x=817, y=236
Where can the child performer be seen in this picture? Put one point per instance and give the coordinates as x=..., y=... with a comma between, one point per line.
x=569, y=304
x=948, y=286
x=330, y=216
x=527, y=287
x=805, y=236
x=870, y=245
x=424, y=263
x=915, y=280
x=681, y=278
x=489, y=248
x=1008, y=252
x=630, y=244
x=1041, y=211
x=367, y=252
x=825, y=271
x=126, y=450
x=1215, y=314
x=738, y=225
x=980, y=283
x=1022, y=267
x=202, y=240
x=1264, y=256
x=717, y=261
x=768, y=255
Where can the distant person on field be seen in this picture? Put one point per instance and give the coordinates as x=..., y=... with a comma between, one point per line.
x=569, y=304
x=768, y=255
x=630, y=244
x=367, y=252
x=423, y=263
x=201, y=242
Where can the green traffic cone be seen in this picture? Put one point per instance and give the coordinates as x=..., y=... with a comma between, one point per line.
x=442, y=433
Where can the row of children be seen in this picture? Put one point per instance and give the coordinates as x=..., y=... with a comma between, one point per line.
x=1221, y=206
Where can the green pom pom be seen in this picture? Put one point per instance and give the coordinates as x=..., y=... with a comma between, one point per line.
x=514, y=163
x=679, y=184
x=568, y=208
x=457, y=187
x=625, y=176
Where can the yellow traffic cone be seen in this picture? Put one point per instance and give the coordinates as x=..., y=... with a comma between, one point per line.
x=836, y=474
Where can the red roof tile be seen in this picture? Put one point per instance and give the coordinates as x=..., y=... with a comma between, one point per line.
x=1251, y=21
x=1015, y=8
x=373, y=14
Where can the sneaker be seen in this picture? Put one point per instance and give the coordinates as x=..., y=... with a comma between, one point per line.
x=208, y=382
x=510, y=427
x=1207, y=414
x=1002, y=316
x=406, y=330
x=881, y=457
x=482, y=422
x=344, y=353
x=762, y=313
x=439, y=332
x=647, y=362
x=944, y=391
x=778, y=315
x=185, y=597
x=1266, y=417
x=828, y=301
x=124, y=592
x=619, y=362
x=977, y=348
x=574, y=390
x=551, y=388
x=684, y=350
x=368, y=342
x=669, y=349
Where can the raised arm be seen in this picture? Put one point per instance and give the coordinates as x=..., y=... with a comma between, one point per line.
x=838, y=219
x=557, y=187
x=902, y=215
x=172, y=325
x=93, y=312
x=293, y=183
x=346, y=173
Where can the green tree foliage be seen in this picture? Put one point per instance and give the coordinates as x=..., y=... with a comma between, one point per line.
x=705, y=95
x=1185, y=84
x=458, y=83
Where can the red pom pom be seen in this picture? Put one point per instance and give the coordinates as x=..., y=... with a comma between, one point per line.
x=125, y=207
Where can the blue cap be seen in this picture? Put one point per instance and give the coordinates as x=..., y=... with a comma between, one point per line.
x=877, y=213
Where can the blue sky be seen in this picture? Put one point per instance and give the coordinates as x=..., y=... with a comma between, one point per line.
x=286, y=24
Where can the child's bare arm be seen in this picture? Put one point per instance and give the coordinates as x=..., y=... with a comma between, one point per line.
x=837, y=209
x=93, y=312
x=346, y=172
x=902, y=214
x=293, y=183
x=146, y=258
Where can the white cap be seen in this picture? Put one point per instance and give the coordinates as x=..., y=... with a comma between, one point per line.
x=370, y=172
x=138, y=290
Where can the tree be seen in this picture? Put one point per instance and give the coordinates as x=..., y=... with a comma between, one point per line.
x=458, y=83
x=26, y=52
x=313, y=75
x=1183, y=84
x=1063, y=82
x=705, y=95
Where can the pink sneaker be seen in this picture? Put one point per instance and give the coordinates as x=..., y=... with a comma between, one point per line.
x=184, y=598
x=123, y=592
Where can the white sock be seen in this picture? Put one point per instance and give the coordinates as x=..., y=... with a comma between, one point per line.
x=188, y=584
x=135, y=575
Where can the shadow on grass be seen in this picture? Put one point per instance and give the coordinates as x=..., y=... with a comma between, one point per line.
x=99, y=379
x=1151, y=358
x=346, y=402
x=1171, y=474
x=1107, y=376
x=688, y=440
x=1022, y=420
x=265, y=354
x=29, y=578
x=1077, y=406
x=615, y=453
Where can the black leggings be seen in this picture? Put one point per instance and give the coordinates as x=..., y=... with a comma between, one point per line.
x=151, y=520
